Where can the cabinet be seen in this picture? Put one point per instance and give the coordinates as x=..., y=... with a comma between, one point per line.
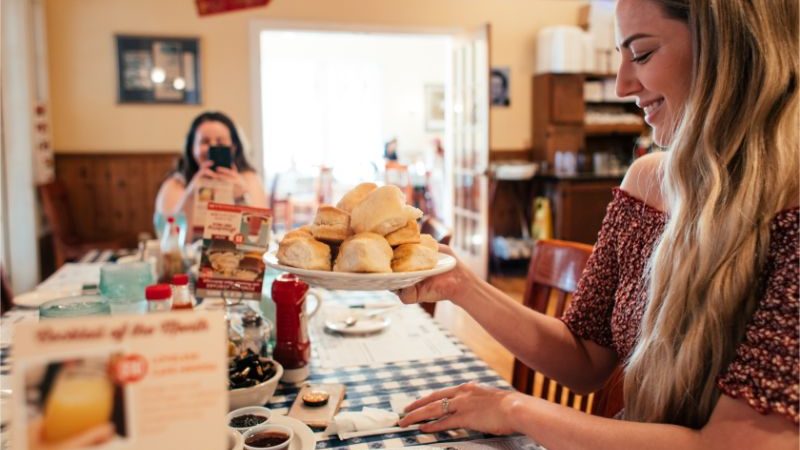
x=560, y=120
x=560, y=112
x=578, y=203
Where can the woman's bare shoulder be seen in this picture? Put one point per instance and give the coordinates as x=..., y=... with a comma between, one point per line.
x=643, y=179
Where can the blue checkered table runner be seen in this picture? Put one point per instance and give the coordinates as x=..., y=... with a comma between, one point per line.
x=371, y=385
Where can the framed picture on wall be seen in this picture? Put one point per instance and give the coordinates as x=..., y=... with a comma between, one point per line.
x=434, y=107
x=158, y=69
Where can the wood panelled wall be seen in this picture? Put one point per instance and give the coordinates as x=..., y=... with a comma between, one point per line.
x=113, y=195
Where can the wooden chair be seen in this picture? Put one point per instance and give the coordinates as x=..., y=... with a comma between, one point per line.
x=555, y=268
x=67, y=242
x=442, y=234
x=397, y=174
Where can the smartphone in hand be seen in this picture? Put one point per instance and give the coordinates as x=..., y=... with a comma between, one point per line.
x=221, y=156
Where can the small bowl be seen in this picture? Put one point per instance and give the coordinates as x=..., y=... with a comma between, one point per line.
x=268, y=428
x=235, y=440
x=257, y=395
x=255, y=410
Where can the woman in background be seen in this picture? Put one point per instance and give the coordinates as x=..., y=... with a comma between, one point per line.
x=176, y=195
x=693, y=283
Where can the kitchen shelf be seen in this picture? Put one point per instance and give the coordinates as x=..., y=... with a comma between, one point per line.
x=609, y=129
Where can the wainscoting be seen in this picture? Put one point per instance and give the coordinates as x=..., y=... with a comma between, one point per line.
x=113, y=195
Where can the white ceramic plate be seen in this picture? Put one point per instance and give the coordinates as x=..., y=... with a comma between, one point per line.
x=362, y=281
x=303, y=436
x=33, y=299
x=366, y=325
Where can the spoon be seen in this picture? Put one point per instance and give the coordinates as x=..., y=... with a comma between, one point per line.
x=349, y=321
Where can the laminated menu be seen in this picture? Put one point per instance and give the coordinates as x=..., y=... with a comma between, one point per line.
x=131, y=381
x=234, y=241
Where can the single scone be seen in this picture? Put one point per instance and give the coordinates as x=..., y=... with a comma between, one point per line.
x=331, y=224
x=409, y=234
x=414, y=257
x=355, y=195
x=304, y=231
x=364, y=252
x=304, y=253
x=426, y=240
x=382, y=211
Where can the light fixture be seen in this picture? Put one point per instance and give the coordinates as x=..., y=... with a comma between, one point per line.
x=179, y=84
x=158, y=75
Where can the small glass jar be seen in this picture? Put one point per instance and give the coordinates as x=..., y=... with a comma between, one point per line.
x=159, y=298
x=255, y=333
x=78, y=306
x=182, y=298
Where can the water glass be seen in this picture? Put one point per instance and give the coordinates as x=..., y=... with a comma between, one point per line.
x=78, y=306
x=123, y=286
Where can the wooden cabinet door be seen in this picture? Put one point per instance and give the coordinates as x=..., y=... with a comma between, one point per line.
x=566, y=99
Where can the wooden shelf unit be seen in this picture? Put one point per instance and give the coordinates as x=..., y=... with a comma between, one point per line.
x=559, y=114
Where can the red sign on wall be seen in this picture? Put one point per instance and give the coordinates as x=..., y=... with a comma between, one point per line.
x=206, y=7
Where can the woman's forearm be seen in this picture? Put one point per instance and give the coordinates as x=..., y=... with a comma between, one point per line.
x=544, y=343
x=558, y=427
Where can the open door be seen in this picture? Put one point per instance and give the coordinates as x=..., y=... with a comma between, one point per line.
x=467, y=147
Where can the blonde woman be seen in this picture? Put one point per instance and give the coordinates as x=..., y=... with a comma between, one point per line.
x=693, y=283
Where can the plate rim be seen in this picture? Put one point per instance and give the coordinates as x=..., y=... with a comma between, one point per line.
x=444, y=264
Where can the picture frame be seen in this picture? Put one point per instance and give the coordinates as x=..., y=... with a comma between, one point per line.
x=434, y=107
x=158, y=70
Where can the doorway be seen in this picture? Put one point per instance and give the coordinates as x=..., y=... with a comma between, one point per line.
x=329, y=102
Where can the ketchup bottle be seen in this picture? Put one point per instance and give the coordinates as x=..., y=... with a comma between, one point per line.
x=292, y=345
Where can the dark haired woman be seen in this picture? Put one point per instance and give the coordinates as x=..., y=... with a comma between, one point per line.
x=209, y=129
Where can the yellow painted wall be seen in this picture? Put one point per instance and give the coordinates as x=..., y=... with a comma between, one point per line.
x=82, y=61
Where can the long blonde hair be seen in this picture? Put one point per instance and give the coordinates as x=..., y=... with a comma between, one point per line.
x=732, y=165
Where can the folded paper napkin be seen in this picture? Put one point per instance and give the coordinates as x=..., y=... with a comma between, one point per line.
x=367, y=419
x=370, y=420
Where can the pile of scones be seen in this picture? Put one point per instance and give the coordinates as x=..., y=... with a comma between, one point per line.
x=370, y=230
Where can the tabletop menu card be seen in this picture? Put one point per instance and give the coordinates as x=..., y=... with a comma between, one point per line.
x=122, y=382
x=208, y=191
x=234, y=241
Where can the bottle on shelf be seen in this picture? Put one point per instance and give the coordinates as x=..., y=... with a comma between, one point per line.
x=182, y=298
x=171, y=251
x=159, y=298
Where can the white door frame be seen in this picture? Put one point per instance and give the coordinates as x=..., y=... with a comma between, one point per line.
x=20, y=215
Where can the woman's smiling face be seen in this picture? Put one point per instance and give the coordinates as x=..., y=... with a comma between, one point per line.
x=656, y=63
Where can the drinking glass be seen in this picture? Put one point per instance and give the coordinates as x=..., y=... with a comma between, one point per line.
x=123, y=286
x=81, y=398
x=78, y=306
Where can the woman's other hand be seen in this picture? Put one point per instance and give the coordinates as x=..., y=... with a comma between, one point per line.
x=446, y=286
x=471, y=405
x=233, y=177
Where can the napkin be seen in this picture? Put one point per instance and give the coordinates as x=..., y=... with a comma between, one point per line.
x=371, y=421
x=368, y=419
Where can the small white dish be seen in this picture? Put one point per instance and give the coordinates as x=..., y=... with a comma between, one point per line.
x=254, y=410
x=362, y=281
x=303, y=436
x=34, y=299
x=257, y=395
x=269, y=428
x=363, y=325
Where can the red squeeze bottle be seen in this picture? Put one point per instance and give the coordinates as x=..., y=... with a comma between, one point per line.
x=292, y=345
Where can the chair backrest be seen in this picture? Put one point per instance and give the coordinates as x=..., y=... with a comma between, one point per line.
x=555, y=268
x=397, y=174
x=55, y=202
x=435, y=228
